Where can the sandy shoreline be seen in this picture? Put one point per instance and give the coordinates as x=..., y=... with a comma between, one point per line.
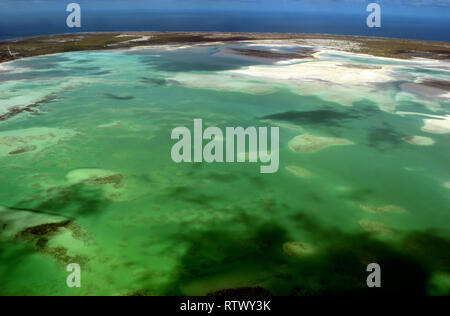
x=375, y=46
x=319, y=70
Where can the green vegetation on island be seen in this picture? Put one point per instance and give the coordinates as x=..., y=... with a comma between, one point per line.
x=44, y=45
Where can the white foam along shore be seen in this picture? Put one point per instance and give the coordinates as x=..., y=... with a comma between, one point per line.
x=419, y=140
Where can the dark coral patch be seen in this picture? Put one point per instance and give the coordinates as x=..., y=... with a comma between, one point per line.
x=114, y=179
x=384, y=137
x=40, y=235
x=260, y=53
x=116, y=97
x=23, y=150
x=326, y=117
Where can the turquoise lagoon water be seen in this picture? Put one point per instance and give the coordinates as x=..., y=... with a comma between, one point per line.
x=94, y=154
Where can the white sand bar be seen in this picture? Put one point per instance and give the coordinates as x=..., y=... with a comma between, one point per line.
x=419, y=140
x=435, y=124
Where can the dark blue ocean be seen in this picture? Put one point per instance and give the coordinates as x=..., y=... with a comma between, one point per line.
x=20, y=24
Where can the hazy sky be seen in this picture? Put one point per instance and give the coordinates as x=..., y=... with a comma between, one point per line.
x=396, y=6
x=421, y=19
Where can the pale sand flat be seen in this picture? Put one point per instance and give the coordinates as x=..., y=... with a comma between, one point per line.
x=299, y=172
x=439, y=126
x=375, y=227
x=435, y=124
x=53, y=235
x=283, y=125
x=331, y=81
x=18, y=142
x=162, y=48
x=114, y=185
x=381, y=209
x=33, y=96
x=298, y=249
x=273, y=43
x=309, y=143
x=330, y=71
x=141, y=39
x=84, y=175
x=124, y=35
x=419, y=140
x=108, y=125
x=227, y=83
x=14, y=221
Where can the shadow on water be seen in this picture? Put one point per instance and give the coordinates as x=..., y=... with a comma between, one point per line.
x=337, y=266
x=116, y=97
x=197, y=60
x=381, y=137
x=189, y=194
x=71, y=201
x=68, y=204
x=359, y=195
x=158, y=81
x=326, y=117
x=384, y=137
x=12, y=255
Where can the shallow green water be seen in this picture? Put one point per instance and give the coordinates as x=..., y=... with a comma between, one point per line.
x=163, y=228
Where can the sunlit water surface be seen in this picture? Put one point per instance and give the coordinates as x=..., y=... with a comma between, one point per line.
x=96, y=152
